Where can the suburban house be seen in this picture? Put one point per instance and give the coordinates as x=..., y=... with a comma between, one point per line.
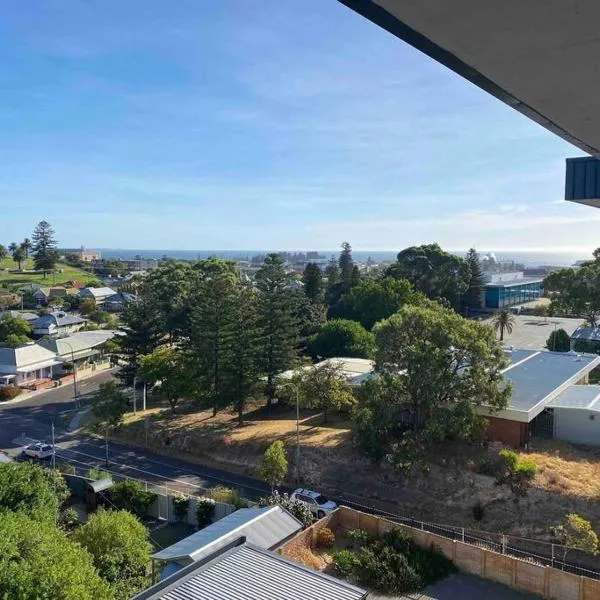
x=27, y=365
x=43, y=295
x=265, y=527
x=98, y=295
x=84, y=348
x=57, y=324
x=541, y=381
x=119, y=301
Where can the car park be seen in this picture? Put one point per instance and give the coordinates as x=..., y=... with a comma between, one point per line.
x=318, y=504
x=38, y=450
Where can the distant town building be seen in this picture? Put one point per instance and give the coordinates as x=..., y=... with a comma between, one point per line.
x=82, y=254
x=510, y=289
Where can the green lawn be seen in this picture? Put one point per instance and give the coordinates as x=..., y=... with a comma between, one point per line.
x=64, y=273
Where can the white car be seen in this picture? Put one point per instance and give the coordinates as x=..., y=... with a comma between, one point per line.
x=318, y=504
x=39, y=450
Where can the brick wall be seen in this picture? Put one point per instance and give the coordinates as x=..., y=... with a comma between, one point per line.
x=516, y=573
x=509, y=432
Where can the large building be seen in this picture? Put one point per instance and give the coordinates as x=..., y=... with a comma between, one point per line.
x=511, y=289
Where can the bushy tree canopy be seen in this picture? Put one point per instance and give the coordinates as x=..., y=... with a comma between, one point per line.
x=341, y=337
x=39, y=561
x=559, y=341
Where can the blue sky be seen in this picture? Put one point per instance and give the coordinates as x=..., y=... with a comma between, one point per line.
x=264, y=124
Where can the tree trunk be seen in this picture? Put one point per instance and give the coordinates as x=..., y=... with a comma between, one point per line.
x=501, y=333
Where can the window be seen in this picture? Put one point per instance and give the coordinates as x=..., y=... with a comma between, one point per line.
x=320, y=499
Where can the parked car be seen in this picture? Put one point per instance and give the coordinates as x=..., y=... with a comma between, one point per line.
x=39, y=450
x=318, y=504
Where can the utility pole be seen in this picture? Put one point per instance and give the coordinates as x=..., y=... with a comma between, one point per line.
x=53, y=448
x=144, y=397
x=134, y=395
x=106, y=446
x=297, y=434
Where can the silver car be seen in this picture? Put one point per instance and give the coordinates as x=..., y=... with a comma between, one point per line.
x=39, y=450
x=318, y=504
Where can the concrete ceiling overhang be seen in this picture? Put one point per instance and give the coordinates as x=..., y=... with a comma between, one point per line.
x=540, y=57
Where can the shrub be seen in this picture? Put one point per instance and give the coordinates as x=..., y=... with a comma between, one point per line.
x=296, y=508
x=487, y=466
x=9, y=392
x=66, y=469
x=478, y=510
x=325, y=537
x=384, y=569
x=180, y=507
x=131, y=496
x=97, y=474
x=205, y=511
x=69, y=517
x=358, y=535
x=344, y=562
x=228, y=496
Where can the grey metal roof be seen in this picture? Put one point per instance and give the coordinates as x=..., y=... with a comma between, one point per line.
x=26, y=358
x=78, y=343
x=586, y=333
x=100, y=292
x=539, y=377
x=247, y=572
x=577, y=396
x=60, y=319
x=265, y=527
x=100, y=484
x=514, y=282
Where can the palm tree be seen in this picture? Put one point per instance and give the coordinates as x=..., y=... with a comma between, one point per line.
x=27, y=246
x=503, y=321
x=19, y=256
x=12, y=247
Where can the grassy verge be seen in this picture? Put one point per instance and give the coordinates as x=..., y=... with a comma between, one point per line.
x=63, y=272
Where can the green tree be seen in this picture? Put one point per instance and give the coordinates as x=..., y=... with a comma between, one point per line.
x=515, y=473
x=503, y=321
x=558, y=341
x=120, y=548
x=31, y=489
x=346, y=264
x=332, y=273
x=438, y=274
x=576, y=533
x=212, y=329
x=27, y=246
x=38, y=561
x=141, y=323
x=277, y=310
x=44, y=250
x=243, y=359
x=14, y=340
x=18, y=255
x=373, y=300
x=110, y=405
x=131, y=496
x=575, y=292
x=341, y=337
x=274, y=464
x=168, y=370
x=88, y=307
x=15, y=326
x=322, y=387
x=312, y=278
x=3, y=252
x=445, y=366
x=474, y=293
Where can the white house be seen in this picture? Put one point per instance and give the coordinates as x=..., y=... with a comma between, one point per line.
x=27, y=365
x=57, y=324
x=99, y=295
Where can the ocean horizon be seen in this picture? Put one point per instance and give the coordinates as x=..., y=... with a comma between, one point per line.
x=526, y=257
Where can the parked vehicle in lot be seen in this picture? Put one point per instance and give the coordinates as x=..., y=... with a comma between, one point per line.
x=318, y=504
x=39, y=450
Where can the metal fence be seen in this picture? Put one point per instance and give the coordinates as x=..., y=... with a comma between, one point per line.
x=537, y=551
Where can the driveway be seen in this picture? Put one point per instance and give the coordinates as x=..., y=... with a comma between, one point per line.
x=463, y=587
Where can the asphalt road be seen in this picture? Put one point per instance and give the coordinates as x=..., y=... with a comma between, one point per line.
x=33, y=418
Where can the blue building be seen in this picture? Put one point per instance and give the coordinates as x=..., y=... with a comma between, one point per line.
x=511, y=289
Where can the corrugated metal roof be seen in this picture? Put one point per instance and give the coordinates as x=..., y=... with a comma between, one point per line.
x=586, y=333
x=97, y=292
x=542, y=376
x=577, y=396
x=265, y=527
x=250, y=573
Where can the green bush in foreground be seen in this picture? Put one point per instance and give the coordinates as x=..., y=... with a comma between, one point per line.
x=394, y=564
x=205, y=510
x=131, y=495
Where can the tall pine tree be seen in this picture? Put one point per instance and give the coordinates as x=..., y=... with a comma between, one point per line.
x=473, y=295
x=213, y=329
x=313, y=282
x=278, y=321
x=45, y=254
x=346, y=266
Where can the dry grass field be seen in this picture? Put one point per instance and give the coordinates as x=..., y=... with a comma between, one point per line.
x=568, y=479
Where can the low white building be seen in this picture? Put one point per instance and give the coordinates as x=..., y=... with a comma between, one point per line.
x=99, y=295
x=353, y=370
x=27, y=365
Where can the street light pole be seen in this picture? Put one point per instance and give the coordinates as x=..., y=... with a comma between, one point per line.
x=134, y=395
x=74, y=372
x=53, y=448
x=297, y=434
x=106, y=446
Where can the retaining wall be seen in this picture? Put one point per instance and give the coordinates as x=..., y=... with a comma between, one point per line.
x=516, y=573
